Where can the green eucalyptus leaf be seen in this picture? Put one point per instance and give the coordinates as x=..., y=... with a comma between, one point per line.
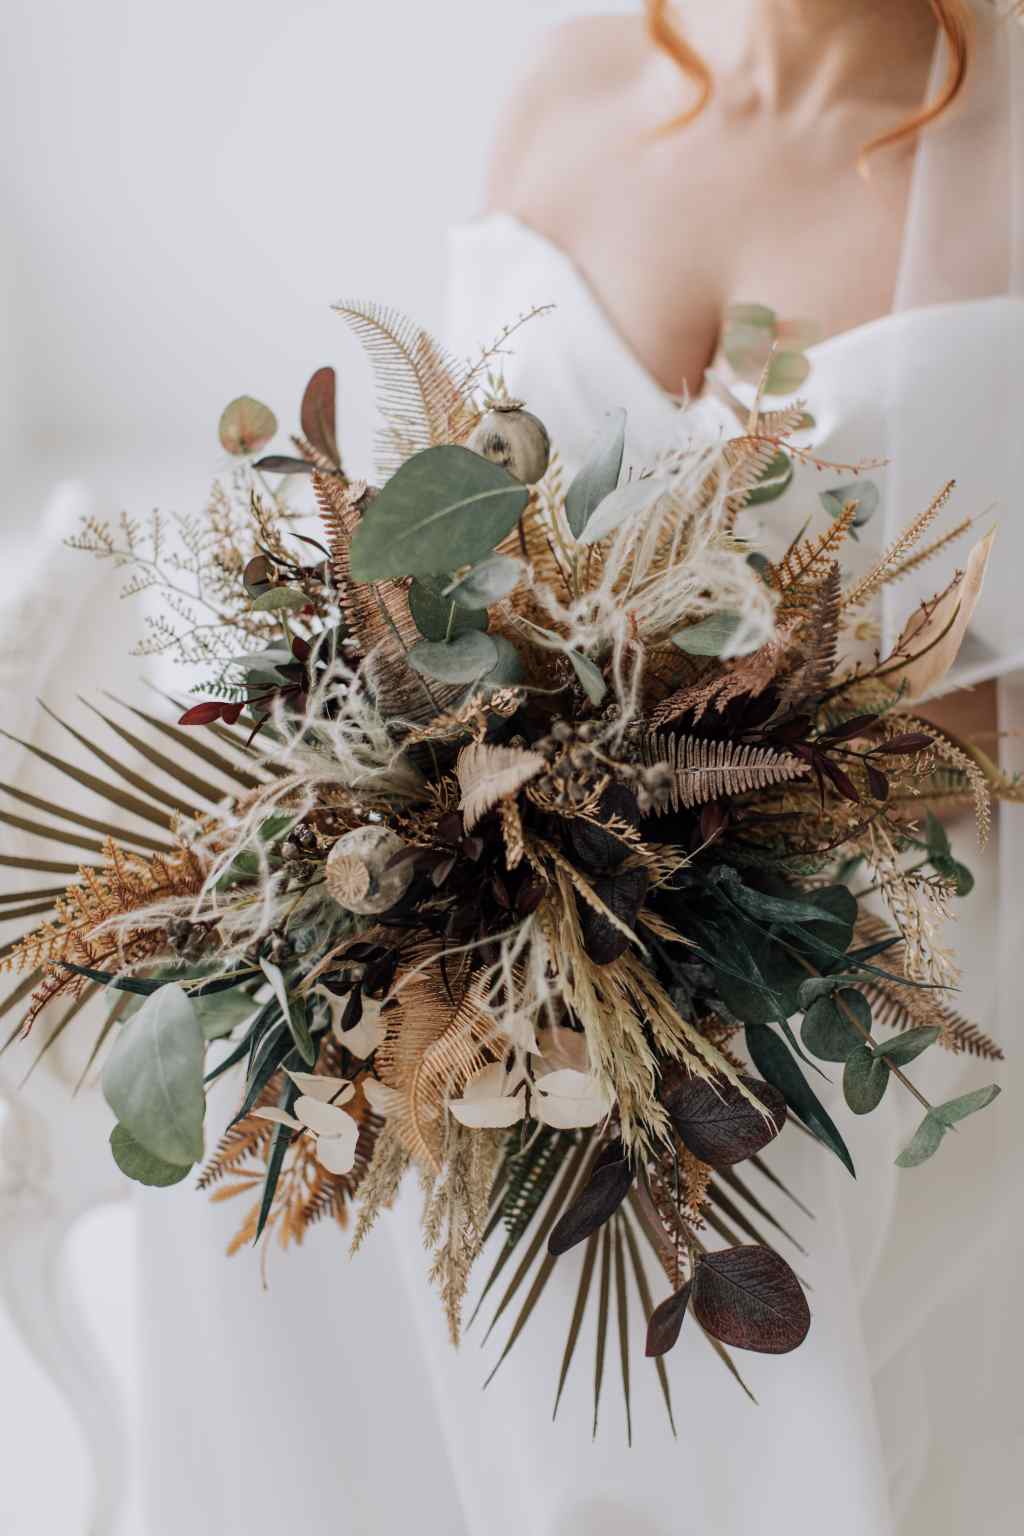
x=712, y=636
x=924, y=1143
x=928, y=1137
x=278, y=598
x=865, y=1079
x=590, y=676
x=599, y=475
x=435, y=615
x=444, y=508
x=220, y=1013
x=956, y=873
x=786, y=373
x=773, y=482
x=935, y=837
x=864, y=492
x=814, y=987
x=621, y=505
x=465, y=659
x=507, y=670
x=773, y=1059
x=826, y=1030
x=487, y=583
x=955, y=1110
x=138, y=1164
x=746, y=342
x=153, y=1077
x=757, y=315
x=904, y=1048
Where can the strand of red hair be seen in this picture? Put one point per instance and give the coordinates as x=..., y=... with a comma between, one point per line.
x=955, y=23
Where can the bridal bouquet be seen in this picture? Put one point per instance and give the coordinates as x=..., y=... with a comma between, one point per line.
x=542, y=836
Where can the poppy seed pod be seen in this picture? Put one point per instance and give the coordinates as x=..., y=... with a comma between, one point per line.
x=512, y=437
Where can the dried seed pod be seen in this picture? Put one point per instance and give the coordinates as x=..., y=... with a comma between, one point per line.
x=512, y=437
x=358, y=873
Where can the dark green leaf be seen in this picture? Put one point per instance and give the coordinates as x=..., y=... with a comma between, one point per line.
x=827, y=1030
x=865, y=1079
x=488, y=582
x=776, y=1065
x=909, y=1045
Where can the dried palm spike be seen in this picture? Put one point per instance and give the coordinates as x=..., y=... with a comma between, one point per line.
x=360, y=874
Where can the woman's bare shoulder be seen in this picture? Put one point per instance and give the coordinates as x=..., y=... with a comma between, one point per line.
x=570, y=75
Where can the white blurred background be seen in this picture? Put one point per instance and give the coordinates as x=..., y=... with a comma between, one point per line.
x=185, y=190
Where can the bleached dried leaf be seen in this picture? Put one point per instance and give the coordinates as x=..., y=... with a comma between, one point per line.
x=323, y=1088
x=277, y=1117
x=568, y=1100
x=488, y=774
x=323, y=1119
x=487, y=1102
x=952, y=614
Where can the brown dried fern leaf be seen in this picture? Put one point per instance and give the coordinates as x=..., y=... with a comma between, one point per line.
x=897, y=1006
x=882, y=572
x=706, y=770
x=810, y=560
x=815, y=645
x=418, y=391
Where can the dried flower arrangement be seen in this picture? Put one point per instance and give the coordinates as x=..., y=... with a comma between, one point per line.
x=544, y=803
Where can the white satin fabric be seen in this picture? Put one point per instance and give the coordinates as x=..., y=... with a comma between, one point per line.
x=332, y=1402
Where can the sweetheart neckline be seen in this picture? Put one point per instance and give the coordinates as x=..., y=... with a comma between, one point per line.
x=500, y=218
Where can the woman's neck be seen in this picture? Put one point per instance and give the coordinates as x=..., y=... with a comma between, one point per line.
x=818, y=53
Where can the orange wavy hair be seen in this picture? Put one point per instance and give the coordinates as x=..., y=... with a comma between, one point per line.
x=954, y=19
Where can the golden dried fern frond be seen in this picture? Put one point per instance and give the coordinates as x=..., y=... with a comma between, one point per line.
x=488, y=774
x=895, y=557
x=418, y=393
x=810, y=560
x=705, y=770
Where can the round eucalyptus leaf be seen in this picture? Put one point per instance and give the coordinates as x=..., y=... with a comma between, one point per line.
x=909, y=1045
x=787, y=372
x=774, y=482
x=153, y=1077
x=436, y=616
x=246, y=426
x=444, y=508
x=713, y=636
x=864, y=492
x=465, y=659
x=138, y=1164
x=488, y=582
x=827, y=1031
x=865, y=1079
x=955, y=1110
x=924, y=1143
x=507, y=670
x=278, y=598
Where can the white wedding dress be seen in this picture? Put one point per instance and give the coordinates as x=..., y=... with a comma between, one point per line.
x=332, y=1401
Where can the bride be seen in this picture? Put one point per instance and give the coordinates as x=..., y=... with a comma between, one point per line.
x=853, y=161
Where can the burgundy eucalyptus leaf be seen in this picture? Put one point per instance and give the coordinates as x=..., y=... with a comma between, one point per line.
x=319, y=415
x=284, y=464
x=842, y=781
x=622, y=893
x=666, y=1322
x=441, y=871
x=608, y=1186
x=718, y=1124
x=529, y=898
x=907, y=745
x=878, y=784
x=204, y=714
x=849, y=730
x=450, y=827
x=594, y=847
x=749, y=1298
